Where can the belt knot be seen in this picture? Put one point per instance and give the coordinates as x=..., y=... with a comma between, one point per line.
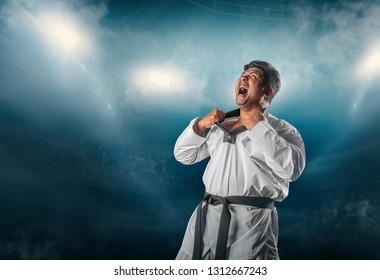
x=215, y=200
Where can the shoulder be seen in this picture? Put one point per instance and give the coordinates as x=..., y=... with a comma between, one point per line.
x=281, y=126
x=277, y=122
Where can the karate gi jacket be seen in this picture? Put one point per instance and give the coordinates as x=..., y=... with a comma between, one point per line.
x=259, y=162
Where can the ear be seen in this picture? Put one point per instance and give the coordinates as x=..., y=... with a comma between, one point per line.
x=268, y=91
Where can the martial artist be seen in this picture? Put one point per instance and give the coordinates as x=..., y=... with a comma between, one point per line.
x=253, y=157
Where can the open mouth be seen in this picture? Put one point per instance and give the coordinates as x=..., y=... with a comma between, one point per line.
x=242, y=90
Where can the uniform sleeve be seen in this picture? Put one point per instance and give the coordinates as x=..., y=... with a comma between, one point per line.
x=190, y=147
x=283, y=150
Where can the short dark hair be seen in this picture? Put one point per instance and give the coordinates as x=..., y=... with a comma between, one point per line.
x=272, y=76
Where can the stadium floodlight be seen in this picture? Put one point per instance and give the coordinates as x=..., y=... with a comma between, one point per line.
x=369, y=65
x=159, y=80
x=61, y=31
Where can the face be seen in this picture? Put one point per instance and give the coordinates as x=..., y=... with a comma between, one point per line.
x=249, y=88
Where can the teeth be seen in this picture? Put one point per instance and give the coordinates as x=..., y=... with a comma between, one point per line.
x=243, y=89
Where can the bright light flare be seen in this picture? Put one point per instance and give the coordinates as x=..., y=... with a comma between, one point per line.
x=67, y=36
x=64, y=32
x=367, y=68
x=369, y=65
x=158, y=80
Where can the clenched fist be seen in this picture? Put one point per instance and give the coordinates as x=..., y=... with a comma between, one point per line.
x=209, y=120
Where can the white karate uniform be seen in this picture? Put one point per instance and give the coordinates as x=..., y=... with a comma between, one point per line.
x=260, y=163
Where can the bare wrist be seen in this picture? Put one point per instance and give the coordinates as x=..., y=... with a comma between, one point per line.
x=198, y=128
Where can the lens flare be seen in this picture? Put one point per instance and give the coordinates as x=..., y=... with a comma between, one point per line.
x=369, y=65
x=63, y=32
x=160, y=80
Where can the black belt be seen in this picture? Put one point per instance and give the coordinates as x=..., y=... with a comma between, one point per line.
x=221, y=244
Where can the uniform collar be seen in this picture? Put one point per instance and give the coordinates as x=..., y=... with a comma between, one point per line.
x=236, y=113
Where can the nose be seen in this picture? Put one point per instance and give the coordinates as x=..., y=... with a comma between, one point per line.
x=243, y=77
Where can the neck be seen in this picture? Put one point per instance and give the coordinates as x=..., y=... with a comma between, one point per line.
x=246, y=114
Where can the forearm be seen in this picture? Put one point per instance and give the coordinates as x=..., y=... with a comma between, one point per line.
x=198, y=129
x=190, y=147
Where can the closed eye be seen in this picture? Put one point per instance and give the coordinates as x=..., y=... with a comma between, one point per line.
x=252, y=76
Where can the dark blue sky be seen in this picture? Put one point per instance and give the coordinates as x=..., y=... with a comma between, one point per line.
x=93, y=95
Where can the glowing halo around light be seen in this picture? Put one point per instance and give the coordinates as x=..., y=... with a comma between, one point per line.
x=369, y=65
x=160, y=80
x=63, y=33
x=367, y=68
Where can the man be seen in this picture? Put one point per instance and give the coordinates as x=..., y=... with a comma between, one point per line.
x=253, y=157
